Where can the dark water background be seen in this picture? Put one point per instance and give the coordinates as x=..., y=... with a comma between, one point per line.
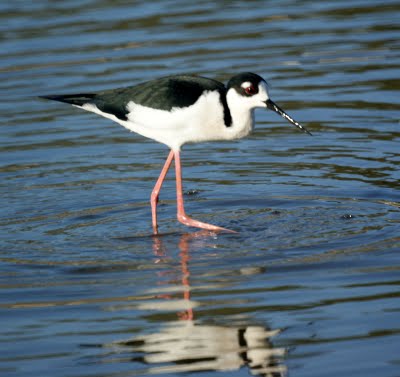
x=310, y=284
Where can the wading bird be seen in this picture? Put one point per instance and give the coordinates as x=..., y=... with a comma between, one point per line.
x=181, y=109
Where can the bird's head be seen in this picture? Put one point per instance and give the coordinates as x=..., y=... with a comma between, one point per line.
x=250, y=91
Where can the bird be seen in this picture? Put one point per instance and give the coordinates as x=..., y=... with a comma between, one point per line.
x=180, y=109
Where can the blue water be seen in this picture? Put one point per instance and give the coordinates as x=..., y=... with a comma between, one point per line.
x=309, y=286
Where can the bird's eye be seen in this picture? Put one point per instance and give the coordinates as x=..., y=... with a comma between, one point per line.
x=250, y=90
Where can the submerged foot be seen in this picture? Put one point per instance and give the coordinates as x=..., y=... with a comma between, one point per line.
x=186, y=220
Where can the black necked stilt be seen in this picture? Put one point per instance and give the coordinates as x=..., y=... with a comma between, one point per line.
x=182, y=109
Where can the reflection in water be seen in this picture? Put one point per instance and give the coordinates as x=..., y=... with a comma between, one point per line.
x=189, y=347
x=185, y=345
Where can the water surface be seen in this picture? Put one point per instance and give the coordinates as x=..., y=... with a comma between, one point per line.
x=310, y=283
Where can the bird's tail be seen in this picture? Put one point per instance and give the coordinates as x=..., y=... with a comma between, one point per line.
x=73, y=99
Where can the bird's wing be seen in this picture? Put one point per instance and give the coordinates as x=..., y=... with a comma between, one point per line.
x=163, y=94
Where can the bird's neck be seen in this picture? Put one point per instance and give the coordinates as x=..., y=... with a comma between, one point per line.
x=242, y=117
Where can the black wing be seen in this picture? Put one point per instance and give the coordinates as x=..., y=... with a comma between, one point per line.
x=112, y=107
x=162, y=94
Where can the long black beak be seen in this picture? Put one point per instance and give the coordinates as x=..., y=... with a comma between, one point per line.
x=273, y=106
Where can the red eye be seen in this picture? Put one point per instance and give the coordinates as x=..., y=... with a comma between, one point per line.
x=250, y=90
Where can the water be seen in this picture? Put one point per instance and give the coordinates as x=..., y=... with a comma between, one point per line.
x=310, y=284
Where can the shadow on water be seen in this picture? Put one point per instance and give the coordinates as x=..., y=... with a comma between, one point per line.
x=185, y=344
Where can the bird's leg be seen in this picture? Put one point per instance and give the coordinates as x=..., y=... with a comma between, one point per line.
x=156, y=191
x=182, y=217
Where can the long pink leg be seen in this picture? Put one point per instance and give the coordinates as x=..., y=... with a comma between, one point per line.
x=156, y=191
x=182, y=217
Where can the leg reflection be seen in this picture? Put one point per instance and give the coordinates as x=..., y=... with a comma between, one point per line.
x=193, y=345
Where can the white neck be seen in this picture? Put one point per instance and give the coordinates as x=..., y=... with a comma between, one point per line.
x=242, y=116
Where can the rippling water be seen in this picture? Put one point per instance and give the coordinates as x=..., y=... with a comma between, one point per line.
x=310, y=284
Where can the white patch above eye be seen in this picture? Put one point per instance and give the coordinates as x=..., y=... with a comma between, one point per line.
x=263, y=90
x=246, y=84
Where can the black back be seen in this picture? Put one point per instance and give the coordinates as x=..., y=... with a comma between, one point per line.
x=163, y=94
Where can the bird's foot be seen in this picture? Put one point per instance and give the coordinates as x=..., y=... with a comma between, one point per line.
x=186, y=220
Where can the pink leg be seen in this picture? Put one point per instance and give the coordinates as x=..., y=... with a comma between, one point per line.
x=156, y=191
x=182, y=217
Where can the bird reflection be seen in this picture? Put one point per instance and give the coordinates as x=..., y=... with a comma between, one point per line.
x=186, y=345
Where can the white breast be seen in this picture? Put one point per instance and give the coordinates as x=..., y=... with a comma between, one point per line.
x=202, y=121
